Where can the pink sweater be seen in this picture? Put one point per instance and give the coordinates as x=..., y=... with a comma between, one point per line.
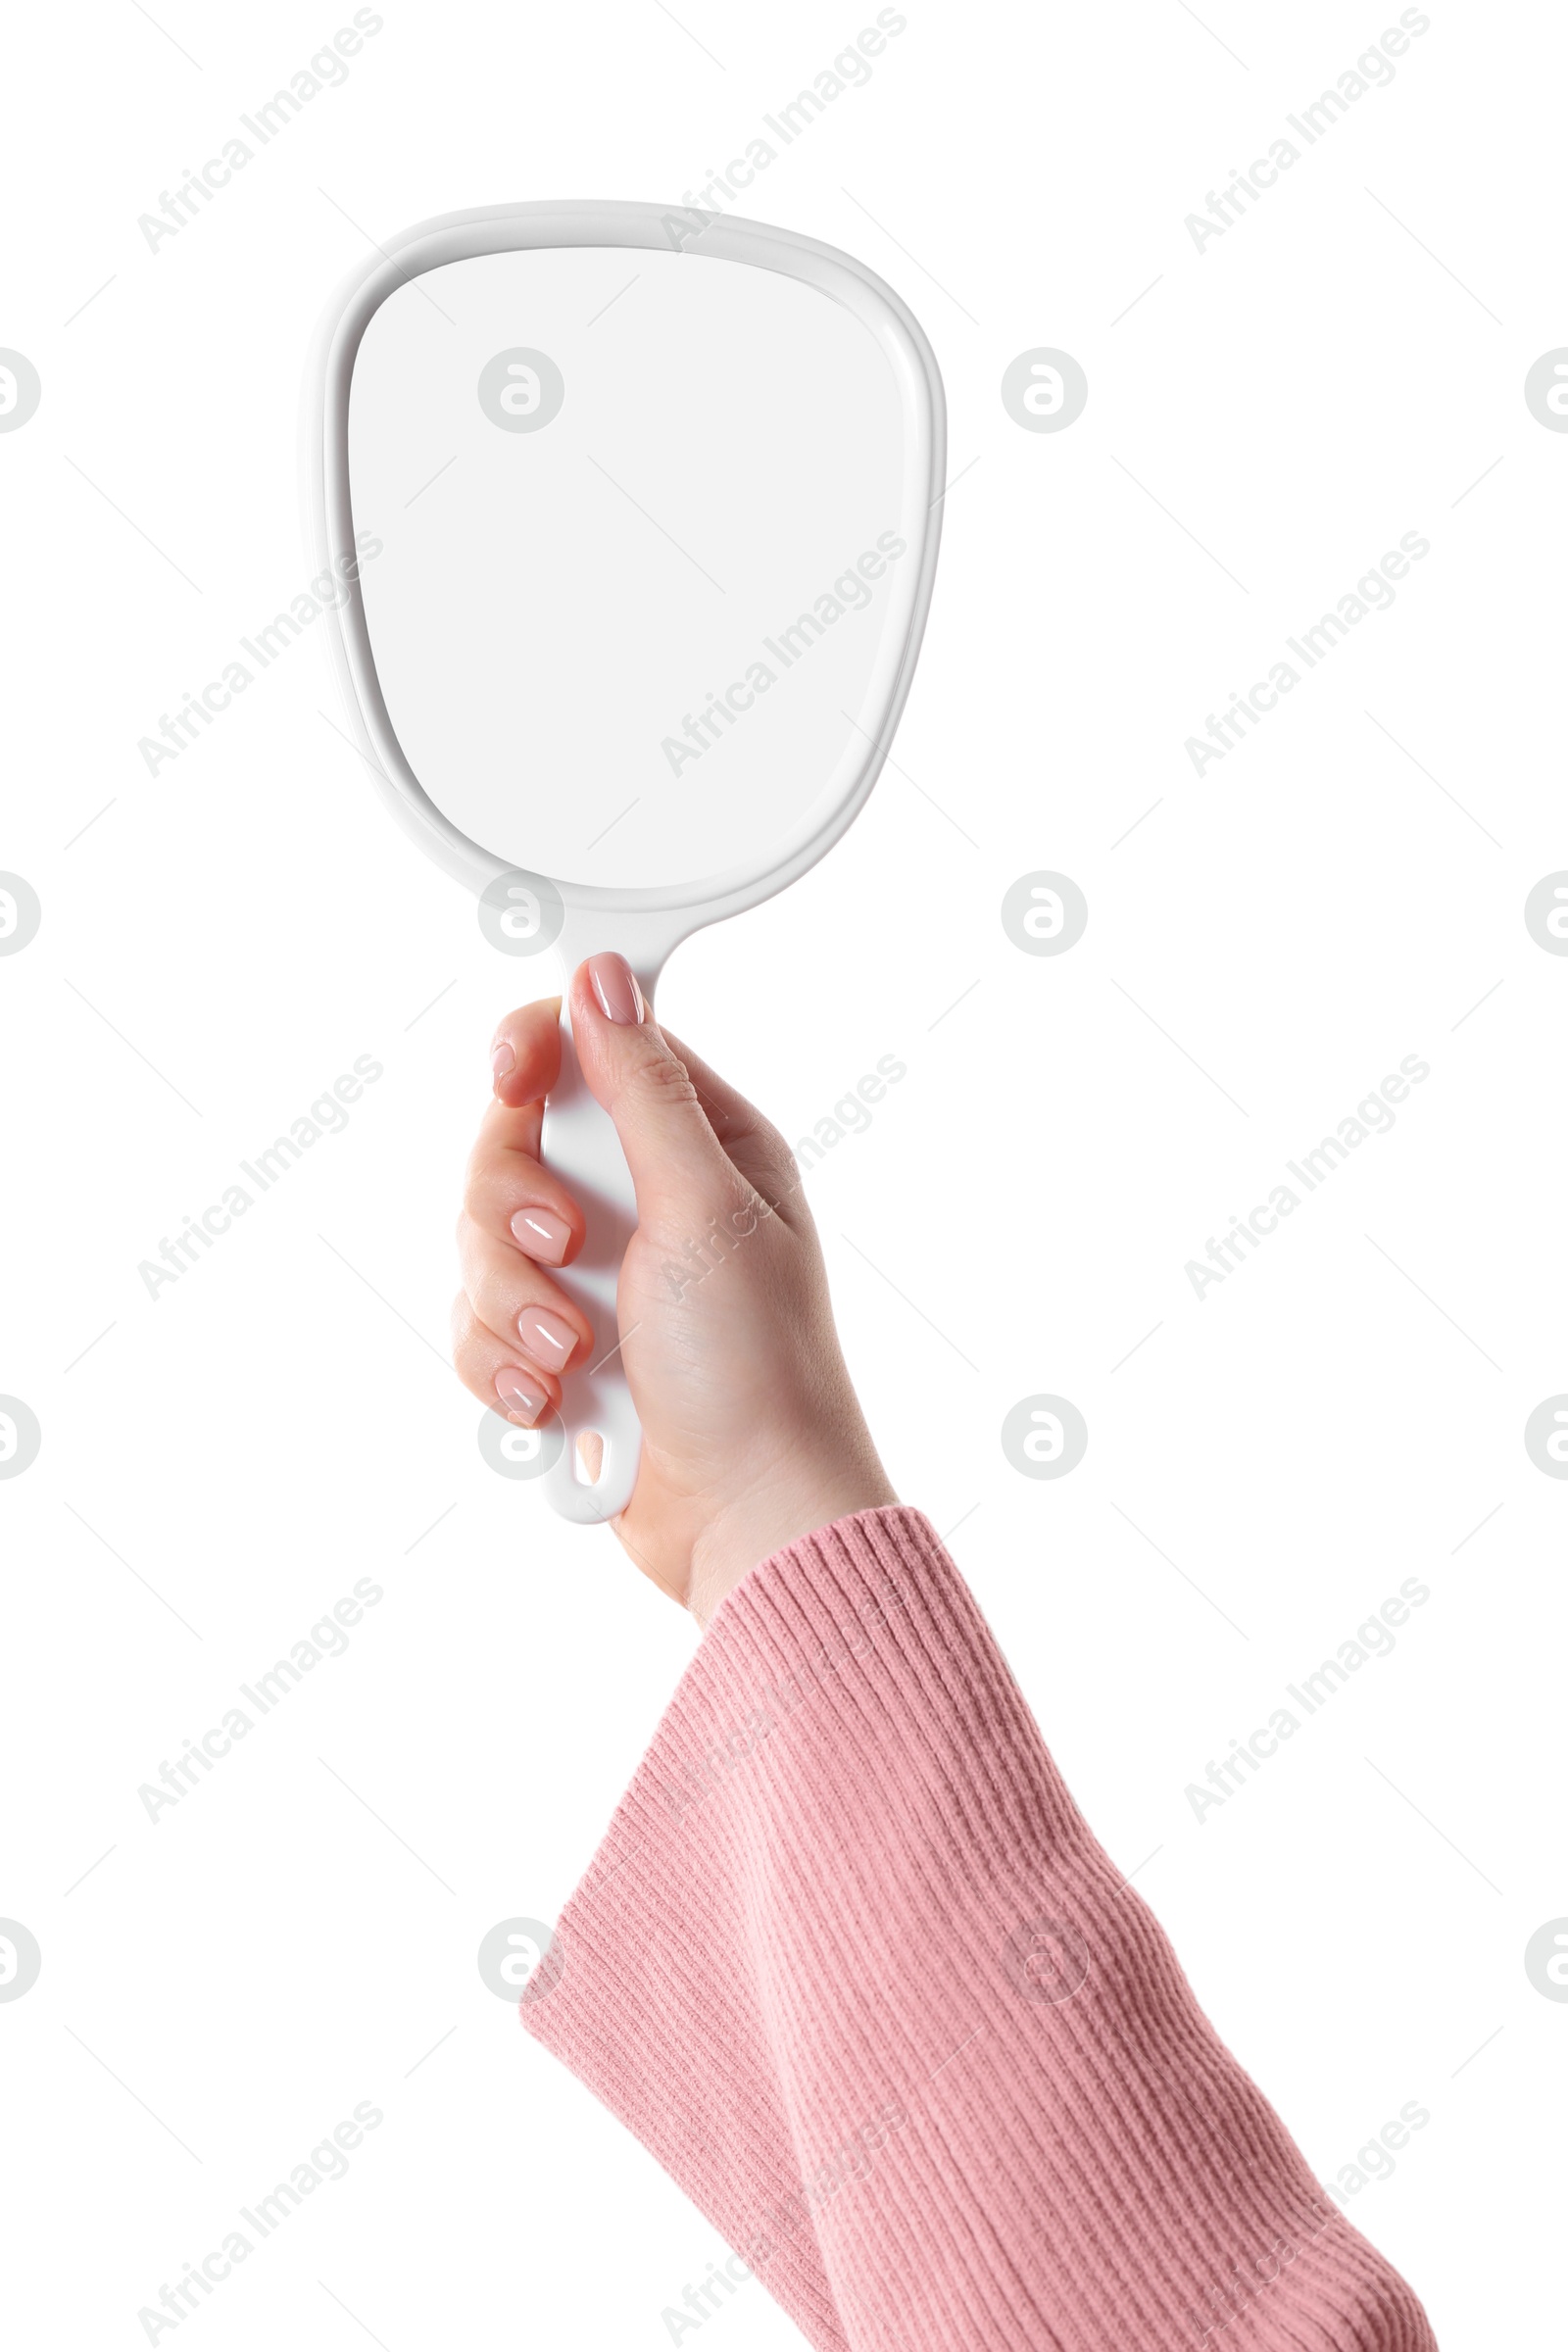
x=851, y=1964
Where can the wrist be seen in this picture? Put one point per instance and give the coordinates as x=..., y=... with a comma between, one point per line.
x=773, y=1512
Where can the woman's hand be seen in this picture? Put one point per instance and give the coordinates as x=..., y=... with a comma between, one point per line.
x=752, y=1433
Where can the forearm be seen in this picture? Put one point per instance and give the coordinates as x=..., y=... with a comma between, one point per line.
x=852, y=1965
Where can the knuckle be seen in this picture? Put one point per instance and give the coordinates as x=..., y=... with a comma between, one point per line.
x=659, y=1078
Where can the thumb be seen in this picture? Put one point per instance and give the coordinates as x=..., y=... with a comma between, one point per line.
x=631, y=1071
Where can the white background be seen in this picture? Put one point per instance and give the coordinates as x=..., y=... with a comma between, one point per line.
x=1343, y=365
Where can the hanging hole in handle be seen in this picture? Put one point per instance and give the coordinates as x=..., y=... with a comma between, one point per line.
x=588, y=1457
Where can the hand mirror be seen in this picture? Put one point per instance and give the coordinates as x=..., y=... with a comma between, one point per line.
x=636, y=513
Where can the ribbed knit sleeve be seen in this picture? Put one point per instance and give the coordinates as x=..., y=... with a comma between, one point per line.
x=850, y=1963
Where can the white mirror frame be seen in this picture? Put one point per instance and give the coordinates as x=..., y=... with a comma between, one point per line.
x=670, y=913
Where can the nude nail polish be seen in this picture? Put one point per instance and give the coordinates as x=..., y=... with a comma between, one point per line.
x=547, y=1338
x=522, y=1399
x=614, y=984
x=502, y=1062
x=543, y=1233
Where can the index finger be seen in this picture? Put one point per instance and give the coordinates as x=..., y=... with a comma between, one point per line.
x=753, y=1143
x=525, y=1055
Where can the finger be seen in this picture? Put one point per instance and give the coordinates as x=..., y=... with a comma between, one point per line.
x=670, y=1148
x=496, y=1372
x=520, y=1304
x=510, y=1194
x=753, y=1141
x=526, y=1054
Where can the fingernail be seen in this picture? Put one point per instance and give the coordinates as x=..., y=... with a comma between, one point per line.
x=547, y=1337
x=542, y=1234
x=621, y=999
x=523, y=1399
x=502, y=1061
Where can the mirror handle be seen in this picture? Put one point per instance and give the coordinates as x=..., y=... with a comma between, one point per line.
x=581, y=1147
